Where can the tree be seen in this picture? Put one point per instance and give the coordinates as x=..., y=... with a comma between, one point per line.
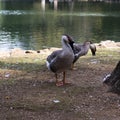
x=113, y=80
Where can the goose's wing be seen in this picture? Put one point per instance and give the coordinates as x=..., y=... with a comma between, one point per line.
x=53, y=60
x=53, y=55
x=78, y=51
x=60, y=62
x=77, y=48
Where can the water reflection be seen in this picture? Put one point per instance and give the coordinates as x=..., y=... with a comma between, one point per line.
x=43, y=5
x=14, y=12
x=36, y=25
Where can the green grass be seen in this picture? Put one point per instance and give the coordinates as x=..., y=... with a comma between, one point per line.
x=25, y=64
x=36, y=63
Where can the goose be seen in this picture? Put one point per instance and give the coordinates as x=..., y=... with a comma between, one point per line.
x=59, y=61
x=82, y=49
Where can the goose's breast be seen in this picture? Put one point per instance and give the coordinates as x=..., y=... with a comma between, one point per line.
x=62, y=63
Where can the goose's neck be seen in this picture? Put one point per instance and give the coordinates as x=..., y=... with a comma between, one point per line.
x=66, y=46
x=86, y=46
x=85, y=49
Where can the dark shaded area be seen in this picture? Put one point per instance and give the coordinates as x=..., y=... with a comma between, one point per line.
x=114, y=80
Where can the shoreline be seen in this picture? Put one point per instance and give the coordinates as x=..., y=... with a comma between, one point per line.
x=18, y=52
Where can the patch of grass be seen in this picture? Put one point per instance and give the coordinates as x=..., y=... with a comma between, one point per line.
x=74, y=91
x=7, y=82
x=25, y=64
x=32, y=106
x=37, y=63
x=52, y=108
x=103, y=56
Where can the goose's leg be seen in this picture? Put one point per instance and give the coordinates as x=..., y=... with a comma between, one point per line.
x=64, y=82
x=58, y=83
x=72, y=66
x=64, y=77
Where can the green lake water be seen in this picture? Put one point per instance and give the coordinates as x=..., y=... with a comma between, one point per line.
x=38, y=25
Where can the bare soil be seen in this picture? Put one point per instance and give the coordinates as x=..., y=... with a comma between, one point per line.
x=32, y=95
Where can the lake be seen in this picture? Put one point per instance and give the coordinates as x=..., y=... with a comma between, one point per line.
x=38, y=25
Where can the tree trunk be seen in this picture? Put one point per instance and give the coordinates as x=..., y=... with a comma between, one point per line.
x=113, y=80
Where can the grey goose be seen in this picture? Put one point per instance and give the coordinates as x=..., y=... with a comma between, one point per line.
x=61, y=60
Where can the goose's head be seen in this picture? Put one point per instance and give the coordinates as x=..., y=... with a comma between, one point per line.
x=91, y=46
x=87, y=43
x=68, y=39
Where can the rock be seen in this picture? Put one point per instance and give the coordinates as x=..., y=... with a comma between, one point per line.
x=7, y=75
x=109, y=44
x=28, y=51
x=38, y=51
x=118, y=44
x=56, y=101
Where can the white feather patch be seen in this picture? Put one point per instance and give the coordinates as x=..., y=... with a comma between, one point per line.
x=105, y=78
x=48, y=65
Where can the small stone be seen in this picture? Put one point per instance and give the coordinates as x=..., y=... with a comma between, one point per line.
x=56, y=101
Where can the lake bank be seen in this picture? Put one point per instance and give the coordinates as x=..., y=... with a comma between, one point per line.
x=17, y=52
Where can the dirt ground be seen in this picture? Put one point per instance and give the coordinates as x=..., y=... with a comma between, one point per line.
x=32, y=95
